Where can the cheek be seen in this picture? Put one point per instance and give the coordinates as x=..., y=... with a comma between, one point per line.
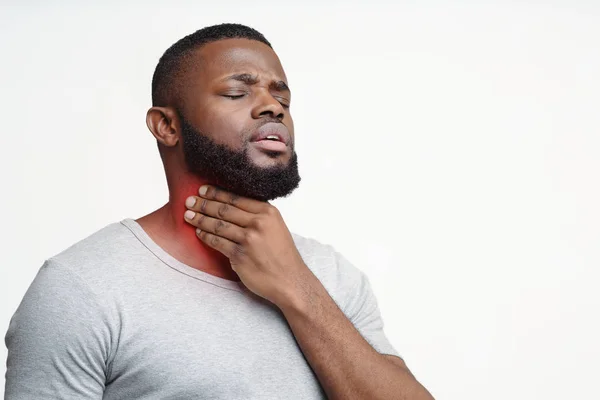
x=289, y=122
x=225, y=127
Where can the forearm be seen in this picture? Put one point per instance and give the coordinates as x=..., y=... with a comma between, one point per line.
x=346, y=365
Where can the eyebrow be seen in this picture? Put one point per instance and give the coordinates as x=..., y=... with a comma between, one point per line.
x=250, y=79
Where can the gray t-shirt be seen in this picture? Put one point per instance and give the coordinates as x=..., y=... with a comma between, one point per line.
x=116, y=317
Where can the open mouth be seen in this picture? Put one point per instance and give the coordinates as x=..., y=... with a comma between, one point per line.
x=272, y=137
x=271, y=143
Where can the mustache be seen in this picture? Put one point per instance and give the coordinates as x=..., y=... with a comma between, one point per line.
x=248, y=133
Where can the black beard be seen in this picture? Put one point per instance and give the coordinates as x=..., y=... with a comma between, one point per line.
x=233, y=170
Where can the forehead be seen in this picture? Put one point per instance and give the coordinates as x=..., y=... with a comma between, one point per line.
x=232, y=56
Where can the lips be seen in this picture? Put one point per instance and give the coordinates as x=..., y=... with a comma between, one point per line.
x=272, y=136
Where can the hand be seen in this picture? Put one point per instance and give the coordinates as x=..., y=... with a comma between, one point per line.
x=253, y=235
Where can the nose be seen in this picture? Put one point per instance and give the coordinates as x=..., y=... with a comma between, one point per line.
x=267, y=105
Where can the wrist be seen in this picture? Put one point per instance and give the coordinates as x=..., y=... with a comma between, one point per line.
x=301, y=296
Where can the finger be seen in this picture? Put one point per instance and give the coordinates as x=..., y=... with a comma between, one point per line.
x=222, y=211
x=220, y=195
x=224, y=246
x=215, y=226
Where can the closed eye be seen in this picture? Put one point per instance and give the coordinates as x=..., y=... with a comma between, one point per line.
x=284, y=102
x=233, y=96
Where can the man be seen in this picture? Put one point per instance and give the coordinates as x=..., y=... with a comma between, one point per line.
x=209, y=297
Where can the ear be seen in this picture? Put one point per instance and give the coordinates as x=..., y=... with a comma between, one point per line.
x=163, y=122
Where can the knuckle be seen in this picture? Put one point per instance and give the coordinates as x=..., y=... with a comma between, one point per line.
x=238, y=251
x=250, y=237
x=200, y=219
x=214, y=193
x=219, y=226
x=222, y=210
x=258, y=224
x=233, y=200
x=272, y=211
x=239, y=236
x=203, y=205
x=215, y=240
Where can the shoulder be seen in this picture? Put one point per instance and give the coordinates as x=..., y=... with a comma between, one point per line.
x=342, y=279
x=99, y=255
x=324, y=259
x=77, y=285
x=103, y=244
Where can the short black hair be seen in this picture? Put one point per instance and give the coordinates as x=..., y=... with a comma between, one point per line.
x=170, y=71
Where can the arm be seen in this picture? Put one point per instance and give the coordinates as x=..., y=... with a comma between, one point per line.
x=345, y=363
x=57, y=341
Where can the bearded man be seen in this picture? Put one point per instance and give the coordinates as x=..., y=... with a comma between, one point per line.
x=210, y=296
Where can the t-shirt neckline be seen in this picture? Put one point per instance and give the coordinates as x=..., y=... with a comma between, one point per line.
x=175, y=264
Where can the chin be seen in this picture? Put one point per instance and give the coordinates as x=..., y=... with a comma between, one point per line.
x=271, y=159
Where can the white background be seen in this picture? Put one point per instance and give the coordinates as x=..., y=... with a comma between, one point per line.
x=449, y=149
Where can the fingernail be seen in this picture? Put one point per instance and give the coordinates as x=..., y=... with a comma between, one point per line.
x=189, y=214
x=190, y=202
x=198, y=231
x=203, y=190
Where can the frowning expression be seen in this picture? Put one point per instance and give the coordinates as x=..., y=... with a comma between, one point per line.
x=237, y=94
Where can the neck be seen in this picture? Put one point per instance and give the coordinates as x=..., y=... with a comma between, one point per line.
x=167, y=227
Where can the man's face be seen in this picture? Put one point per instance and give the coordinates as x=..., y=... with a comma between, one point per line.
x=237, y=131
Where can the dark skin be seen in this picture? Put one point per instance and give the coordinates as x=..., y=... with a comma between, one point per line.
x=248, y=237
x=207, y=103
x=242, y=84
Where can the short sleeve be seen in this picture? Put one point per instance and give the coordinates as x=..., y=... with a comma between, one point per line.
x=361, y=307
x=57, y=340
